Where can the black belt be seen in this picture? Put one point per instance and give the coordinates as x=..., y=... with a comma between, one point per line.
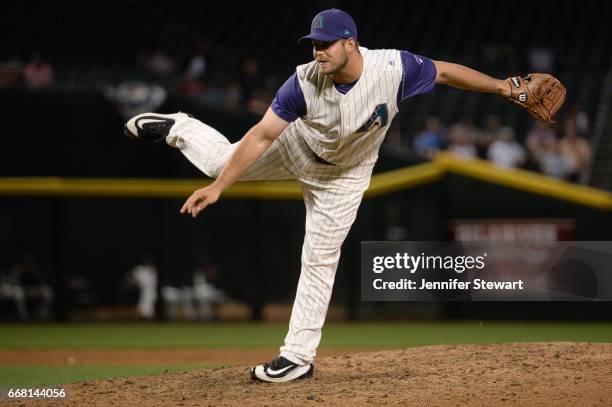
x=322, y=161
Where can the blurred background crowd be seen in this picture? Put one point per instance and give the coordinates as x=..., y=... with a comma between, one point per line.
x=562, y=151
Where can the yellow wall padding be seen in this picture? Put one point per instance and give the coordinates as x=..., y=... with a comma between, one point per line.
x=381, y=184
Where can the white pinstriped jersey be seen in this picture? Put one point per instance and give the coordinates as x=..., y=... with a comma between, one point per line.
x=349, y=129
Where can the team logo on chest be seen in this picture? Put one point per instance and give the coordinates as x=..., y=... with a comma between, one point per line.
x=378, y=119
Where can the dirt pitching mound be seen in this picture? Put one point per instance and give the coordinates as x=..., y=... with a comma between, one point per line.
x=538, y=374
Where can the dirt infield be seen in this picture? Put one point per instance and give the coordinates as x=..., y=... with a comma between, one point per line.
x=542, y=374
x=222, y=357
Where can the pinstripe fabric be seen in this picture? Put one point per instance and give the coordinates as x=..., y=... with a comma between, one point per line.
x=332, y=192
x=209, y=150
x=332, y=121
x=332, y=195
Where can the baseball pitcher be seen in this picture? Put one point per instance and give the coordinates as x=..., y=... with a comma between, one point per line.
x=324, y=129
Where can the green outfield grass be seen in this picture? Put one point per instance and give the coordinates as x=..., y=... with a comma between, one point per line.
x=335, y=335
x=380, y=335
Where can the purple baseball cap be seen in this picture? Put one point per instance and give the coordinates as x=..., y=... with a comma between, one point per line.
x=331, y=25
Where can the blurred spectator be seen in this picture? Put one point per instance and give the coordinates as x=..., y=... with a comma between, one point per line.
x=144, y=276
x=462, y=146
x=37, y=73
x=11, y=72
x=14, y=294
x=198, y=64
x=576, y=151
x=222, y=97
x=193, y=81
x=196, y=301
x=490, y=133
x=429, y=141
x=206, y=295
x=540, y=139
x=461, y=137
x=541, y=59
x=160, y=63
x=551, y=161
x=33, y=296
x=178, y=302
x=581, y=118
x=505, y=152
x=464, y=129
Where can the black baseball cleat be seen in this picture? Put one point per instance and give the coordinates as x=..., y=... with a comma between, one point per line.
x=152, y=127
x=281, y=370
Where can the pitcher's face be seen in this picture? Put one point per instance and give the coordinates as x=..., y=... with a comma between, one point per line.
x=331, y=56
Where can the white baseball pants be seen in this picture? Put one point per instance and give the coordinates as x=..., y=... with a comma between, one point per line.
x=332, y=196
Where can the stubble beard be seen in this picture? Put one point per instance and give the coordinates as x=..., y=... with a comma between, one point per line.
x=338, y=68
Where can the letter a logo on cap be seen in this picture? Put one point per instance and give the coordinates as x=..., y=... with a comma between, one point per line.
x=318, y=22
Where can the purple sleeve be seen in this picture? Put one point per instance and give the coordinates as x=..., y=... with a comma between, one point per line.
x=289, y=102
x=419, y=76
